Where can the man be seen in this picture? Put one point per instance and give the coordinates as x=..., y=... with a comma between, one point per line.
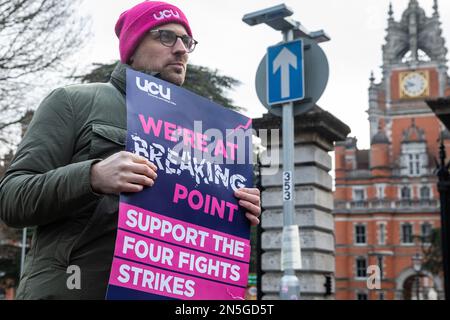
x=71, y=167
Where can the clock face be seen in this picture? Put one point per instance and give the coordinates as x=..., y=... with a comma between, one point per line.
x=414, y=84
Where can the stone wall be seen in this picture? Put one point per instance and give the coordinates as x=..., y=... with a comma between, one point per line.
x=315, y=134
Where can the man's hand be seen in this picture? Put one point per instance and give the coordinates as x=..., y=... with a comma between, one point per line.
x=122, y=172
x=250, y=199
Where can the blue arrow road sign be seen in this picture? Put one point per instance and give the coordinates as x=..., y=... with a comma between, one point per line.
x=285, y=73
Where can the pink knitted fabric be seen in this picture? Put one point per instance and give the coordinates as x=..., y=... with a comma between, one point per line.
x=134, y=23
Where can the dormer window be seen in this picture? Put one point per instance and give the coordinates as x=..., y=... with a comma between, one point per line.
x=414, y=163
x=414, y=156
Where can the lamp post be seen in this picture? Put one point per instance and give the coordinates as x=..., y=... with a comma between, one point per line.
x=23, y=250
x=278, y=19
x=417, y=265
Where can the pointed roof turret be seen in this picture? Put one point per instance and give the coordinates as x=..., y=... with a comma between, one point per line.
x=380, y=137
x=436, y=9
x=413, y=4
x=415, y=37
x=413, y=16
x=391, y=12
x=372, y=78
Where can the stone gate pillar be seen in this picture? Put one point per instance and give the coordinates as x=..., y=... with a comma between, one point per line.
x=315, y=134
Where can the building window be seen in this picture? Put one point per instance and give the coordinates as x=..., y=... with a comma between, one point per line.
x=407, y=233
x=362, y=296
x=411, y=164
x=380, y=191
x=414, y=165
x=406, y=193
x=414, y=159
x=426, y=231
x=382, y=233
x=358, y=195
x=425, y=193
x=417, y=164
x=361, y=267
x=421, y=56
x=380, y=266
x=360, y=234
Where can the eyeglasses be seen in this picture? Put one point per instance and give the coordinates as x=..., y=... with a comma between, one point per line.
x=168, y=38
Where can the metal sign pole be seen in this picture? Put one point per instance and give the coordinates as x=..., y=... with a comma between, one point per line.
x=300, y=90
x=24, y=245
x=290, y=284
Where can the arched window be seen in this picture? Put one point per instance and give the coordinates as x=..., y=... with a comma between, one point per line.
x=421, y=55
x=425, y=193
x=406, y=193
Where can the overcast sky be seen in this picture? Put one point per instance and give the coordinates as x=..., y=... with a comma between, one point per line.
x=357, y=29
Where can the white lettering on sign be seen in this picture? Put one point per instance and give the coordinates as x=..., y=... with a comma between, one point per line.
x=287, y=186
x=166, y=14
x=155, y=90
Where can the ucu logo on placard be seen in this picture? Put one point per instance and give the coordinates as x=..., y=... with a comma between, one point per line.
x=154, y=89
x=166, y=14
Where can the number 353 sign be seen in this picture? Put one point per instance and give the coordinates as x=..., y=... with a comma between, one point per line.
x=287, y=186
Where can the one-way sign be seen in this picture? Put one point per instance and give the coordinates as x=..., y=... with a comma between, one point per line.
x=285, y=73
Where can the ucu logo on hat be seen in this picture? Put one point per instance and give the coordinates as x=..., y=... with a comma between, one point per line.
x=166, y=14
x=133, y=24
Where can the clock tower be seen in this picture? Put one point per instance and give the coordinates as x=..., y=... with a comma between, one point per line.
x=414, y=69
x=386, y=197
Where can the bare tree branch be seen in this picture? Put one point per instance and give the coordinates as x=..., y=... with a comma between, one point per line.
x=37, y=37
x=3, y=126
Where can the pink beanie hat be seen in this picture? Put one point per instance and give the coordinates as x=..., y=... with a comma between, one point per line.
x=134, y=23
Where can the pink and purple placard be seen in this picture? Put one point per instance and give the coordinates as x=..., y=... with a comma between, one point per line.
x=185, y=238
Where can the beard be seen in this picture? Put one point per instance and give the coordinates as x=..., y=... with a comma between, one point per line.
x=176, y=78
x=172, y=76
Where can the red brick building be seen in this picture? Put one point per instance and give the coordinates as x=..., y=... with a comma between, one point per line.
x=386, y=196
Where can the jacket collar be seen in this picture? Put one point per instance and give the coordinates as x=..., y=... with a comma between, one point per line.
x=119, y=77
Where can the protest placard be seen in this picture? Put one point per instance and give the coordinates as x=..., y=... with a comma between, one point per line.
x=186, y=237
